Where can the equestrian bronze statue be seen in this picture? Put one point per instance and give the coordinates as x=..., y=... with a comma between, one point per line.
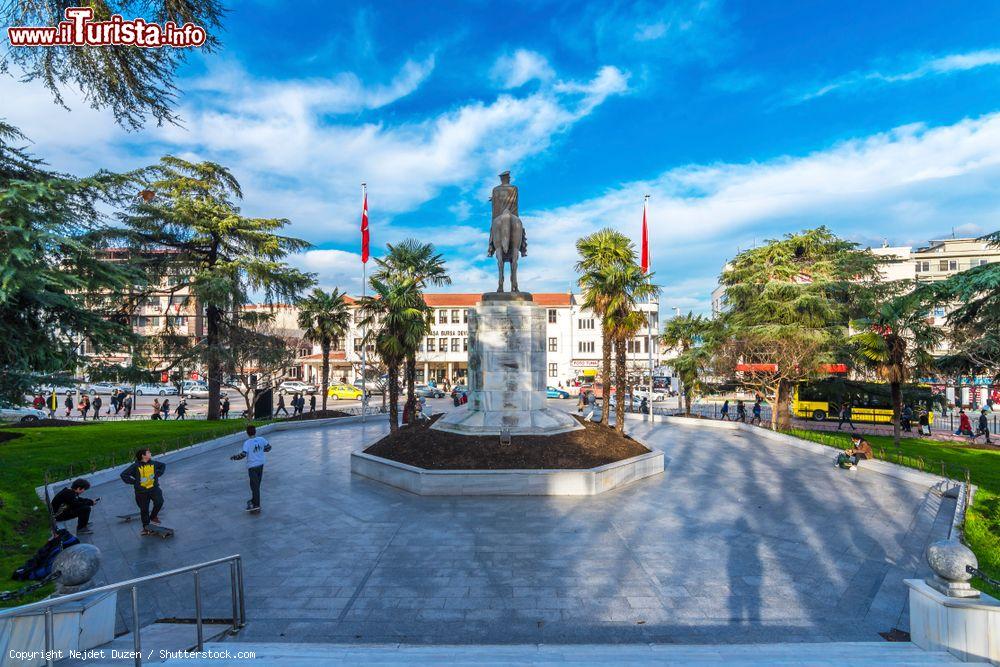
x=507, y=236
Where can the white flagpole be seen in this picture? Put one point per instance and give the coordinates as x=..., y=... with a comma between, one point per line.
x=649, y=315
x=364, y=331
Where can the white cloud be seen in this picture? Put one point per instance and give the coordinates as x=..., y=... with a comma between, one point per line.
x=949, y=64
x=516, y=69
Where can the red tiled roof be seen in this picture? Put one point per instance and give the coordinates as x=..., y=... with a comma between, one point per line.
x=319, y=357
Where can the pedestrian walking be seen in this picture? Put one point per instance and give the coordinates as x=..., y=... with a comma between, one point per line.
x=96, y=407
x=144, y=476
x=38, y=402
x=312, y=403
x=225, y=408
x=84, y=406
x=905, y=417
x=964, y=425
x=984, y=427
x=845, y=415
x=924, y=419
x=69, y=406
x=165, y=409
x=756, y=412
x=300, y=404
x=181, y=409
x=254, y=451
x=281, y=406
x=113, y=401
x=741, y=412
x=70, y=504
x=724, y=412
x=156, y=409
x=128, y=406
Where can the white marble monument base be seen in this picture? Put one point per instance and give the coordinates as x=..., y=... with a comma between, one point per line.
x=968, y=628
x=507, y=375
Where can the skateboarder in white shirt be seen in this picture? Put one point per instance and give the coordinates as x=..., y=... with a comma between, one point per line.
x=254, y=452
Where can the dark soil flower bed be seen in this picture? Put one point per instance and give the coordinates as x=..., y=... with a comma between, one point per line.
x=39, y=423
x=318, y=414
x=418, y=445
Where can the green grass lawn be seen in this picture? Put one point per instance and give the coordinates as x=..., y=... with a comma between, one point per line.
x=982, y=522
x=65, y=452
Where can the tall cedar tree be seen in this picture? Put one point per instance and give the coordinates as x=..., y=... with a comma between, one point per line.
x=55, y=290
x=789, y=303
x=192, y=235
x=132, y=81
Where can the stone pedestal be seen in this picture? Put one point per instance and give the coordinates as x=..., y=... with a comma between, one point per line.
x=507, y=373
x=968, y=628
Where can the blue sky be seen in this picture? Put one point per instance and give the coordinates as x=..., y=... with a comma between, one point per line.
x=742, y=120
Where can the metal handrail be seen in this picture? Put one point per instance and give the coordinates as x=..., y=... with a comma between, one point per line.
x=236, y=596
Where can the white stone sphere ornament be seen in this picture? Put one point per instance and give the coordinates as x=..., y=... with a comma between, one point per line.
x=77, y=566
x=948, y=560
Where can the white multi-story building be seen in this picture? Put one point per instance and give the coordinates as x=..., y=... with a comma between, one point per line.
x=573, y=345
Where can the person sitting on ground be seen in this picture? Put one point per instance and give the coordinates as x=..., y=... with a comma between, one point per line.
x=70, y=504
x=861, y=451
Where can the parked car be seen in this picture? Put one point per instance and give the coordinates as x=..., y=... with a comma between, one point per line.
x=635, y=402
x=427, y=391
x=200, y=390
x=657, y=395
x=372, y=386
x=47, y=389
x=103, y=388
x=296, y=387
x=553, y=392
x=155, y=389
x=344, y=391
x=21, y=414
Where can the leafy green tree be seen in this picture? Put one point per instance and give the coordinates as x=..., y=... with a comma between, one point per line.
x=418, y=262
x=395, y=316
x=192, y=236
x=790, y=302
x=132, y=81
x=974, y=318
x=601, y=256
x=55, y=289
x=693, y=340
x=324, y=317
x=895, y=342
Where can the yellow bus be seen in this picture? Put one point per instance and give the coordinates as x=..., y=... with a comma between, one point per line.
x=871, y=402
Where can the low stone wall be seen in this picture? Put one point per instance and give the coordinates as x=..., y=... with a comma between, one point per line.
x=583, y=482
x=112, y=474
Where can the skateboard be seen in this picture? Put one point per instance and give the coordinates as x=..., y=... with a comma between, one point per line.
x=161, y=531
x=252, y=510
x=158, y=531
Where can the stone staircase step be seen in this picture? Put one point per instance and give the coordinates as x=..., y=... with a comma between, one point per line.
x=820, y=654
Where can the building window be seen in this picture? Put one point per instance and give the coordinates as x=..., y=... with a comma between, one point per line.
x=454, y=316
x=430, y=345
x=553, y=370
x=553, y=345
x=585, y=346
x=443, y=344
x=983, y=262
x=442, y=317
x=455, y=342
x=552, y=315
x=465, y=345
x=465, y=316
x=172, y=321
x=338, y=344
x=923, y=267
x=585, y=323
x=357, y=344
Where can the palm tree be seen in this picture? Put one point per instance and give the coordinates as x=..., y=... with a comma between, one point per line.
x=324, y=317
x=894, y=342
x=391, y=314
x=692, y=336
x=608, y=280
x=418, y=262
x=625, y=321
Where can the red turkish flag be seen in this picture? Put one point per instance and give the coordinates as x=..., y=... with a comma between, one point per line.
x=645, y=242
x=364, y=230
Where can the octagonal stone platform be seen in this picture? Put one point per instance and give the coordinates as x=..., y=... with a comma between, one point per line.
x=544, y=482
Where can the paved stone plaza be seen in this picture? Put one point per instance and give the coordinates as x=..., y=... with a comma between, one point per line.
x=740, y=540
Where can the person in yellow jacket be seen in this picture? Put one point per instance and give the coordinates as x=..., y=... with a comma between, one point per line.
x=144, y=476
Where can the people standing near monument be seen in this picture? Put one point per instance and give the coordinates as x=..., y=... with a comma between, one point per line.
x=144, y=476
x=254, y=451
x=70, y=504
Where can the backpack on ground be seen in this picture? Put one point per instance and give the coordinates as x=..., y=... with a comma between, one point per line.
x=39, y=566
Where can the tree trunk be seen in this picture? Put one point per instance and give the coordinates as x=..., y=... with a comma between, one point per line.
x=605, y=375
x=411, y=380
x=688, y=392
x=393, y=391
x=325, y=344
x=781, y=416
x=213, y=316
x=620, y=362
x=897, y=409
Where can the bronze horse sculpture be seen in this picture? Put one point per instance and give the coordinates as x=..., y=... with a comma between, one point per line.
x=507, y=238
